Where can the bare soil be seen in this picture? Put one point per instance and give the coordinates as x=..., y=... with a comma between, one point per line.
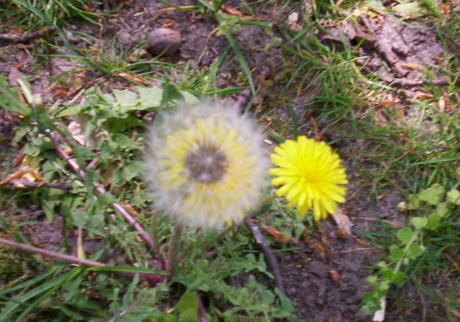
x=325, y=280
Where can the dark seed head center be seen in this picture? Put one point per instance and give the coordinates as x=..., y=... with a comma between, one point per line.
x=206, y=163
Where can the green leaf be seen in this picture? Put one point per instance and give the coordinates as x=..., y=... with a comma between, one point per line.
x=411, y=7
x=387, y=273
x=128, y=269
x=26, y=89
x=372, y=280
x=9, y=98
x=123, y=142
x=125, y=99
x=381, y=264
x=434, y=221
x=83, y=153
x=415, y=250
x=405, y=235
x=188, y=307
x=396, y=253
x=432, y=195
x=132, y=170
x=414, y=202
x=399, y=278
x=453, y=196
x=374, y=5
x=149, y=97
x=79, y=217
x=32, y=149
x=419, y=222
x=143, y=98
x=170, y=95
x=384, y=286
x=442, y=210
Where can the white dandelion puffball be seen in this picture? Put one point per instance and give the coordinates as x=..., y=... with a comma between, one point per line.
x=205, y=164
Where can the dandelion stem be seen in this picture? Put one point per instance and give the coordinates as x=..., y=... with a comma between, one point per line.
x=249, y=215
x=99, y=189
x=270, y=258
x=265, y=200
x=174, y=245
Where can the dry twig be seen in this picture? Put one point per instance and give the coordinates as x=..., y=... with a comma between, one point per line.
x=30, y=184
x=15, y=39
x=152, y=279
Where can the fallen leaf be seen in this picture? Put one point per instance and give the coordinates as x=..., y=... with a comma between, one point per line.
x=442, y=102
x=292, y=21
x=231, y=11
x=344, y=223
x=390, y=101
x=133, y=78
x=335, y=277
x=60, y=92
x=77, y=130
x=279, y=237
x=31, y=165
x=413, y=66
x=168, y=23
x=13, y=77
x=419, y=95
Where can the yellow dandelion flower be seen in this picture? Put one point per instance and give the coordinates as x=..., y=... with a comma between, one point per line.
x=310, y=175
x=206, y=164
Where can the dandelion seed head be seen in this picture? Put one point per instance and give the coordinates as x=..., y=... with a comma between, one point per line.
x=205, y=164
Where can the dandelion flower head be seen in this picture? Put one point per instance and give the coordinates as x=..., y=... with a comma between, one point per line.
x=206, y=164
x=310, y=174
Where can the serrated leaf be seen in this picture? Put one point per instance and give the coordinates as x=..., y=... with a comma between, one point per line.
x=132, y=170
x=419, y=222
x=415, y=250
x=149, y=97
x=125, y=101
x=405, y=235
x=453, y=196
x=125, y=97
x=396, y=253
x=123, y=142
x=432, y=195
x=189, y=98
x=32, y=149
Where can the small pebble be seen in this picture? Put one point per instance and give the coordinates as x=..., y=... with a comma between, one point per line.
x=163, y=41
